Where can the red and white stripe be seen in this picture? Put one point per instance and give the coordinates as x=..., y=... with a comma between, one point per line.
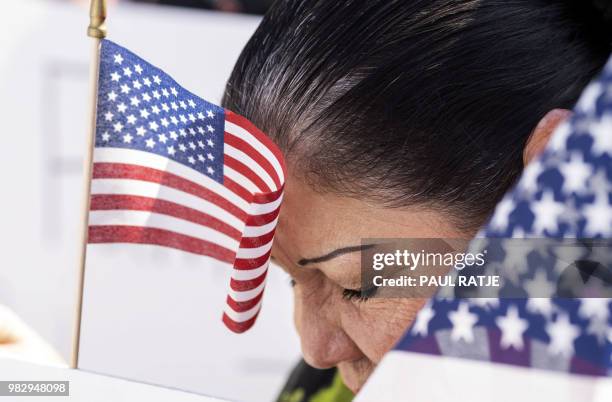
x=141, y=197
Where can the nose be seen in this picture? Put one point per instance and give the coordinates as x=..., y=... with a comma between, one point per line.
x=318, y=322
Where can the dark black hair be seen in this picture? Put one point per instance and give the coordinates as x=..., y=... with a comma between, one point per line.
x=408, y=102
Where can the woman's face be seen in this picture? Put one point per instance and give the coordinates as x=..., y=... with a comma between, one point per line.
x=317, y=242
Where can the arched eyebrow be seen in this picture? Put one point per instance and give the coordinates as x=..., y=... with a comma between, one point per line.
x=334, y=254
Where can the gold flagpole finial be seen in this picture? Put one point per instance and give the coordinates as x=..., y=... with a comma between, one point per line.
x=97, y=16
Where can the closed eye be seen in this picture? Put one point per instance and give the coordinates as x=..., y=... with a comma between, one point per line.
x=361, y=295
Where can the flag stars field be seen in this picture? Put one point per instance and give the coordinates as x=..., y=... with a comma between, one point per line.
x=129, y=87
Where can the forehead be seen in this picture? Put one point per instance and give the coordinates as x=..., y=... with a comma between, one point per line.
x=312, y=223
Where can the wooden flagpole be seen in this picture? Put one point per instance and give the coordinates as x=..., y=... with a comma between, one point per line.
x=96, y=31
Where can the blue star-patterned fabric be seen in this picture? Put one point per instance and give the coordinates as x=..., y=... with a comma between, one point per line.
x=142, y=108
x=565, y=194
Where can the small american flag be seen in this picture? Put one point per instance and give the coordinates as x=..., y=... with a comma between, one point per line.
x=173, y=170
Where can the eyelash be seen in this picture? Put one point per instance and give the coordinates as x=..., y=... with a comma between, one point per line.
x=359, y=295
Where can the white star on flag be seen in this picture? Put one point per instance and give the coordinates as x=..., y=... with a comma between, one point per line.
x=547, y=212
x=575, y=174
x=512, y=327
x=562, y=335
x=463, y=323
x=422, y=320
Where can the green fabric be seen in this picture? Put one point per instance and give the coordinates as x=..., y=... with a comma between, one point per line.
x=336, y=392
x=294, y=396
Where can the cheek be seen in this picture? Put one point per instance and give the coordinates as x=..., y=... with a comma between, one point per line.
x=310, y=295
x=313, y=313
x=377, y=324
x=318, y=312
